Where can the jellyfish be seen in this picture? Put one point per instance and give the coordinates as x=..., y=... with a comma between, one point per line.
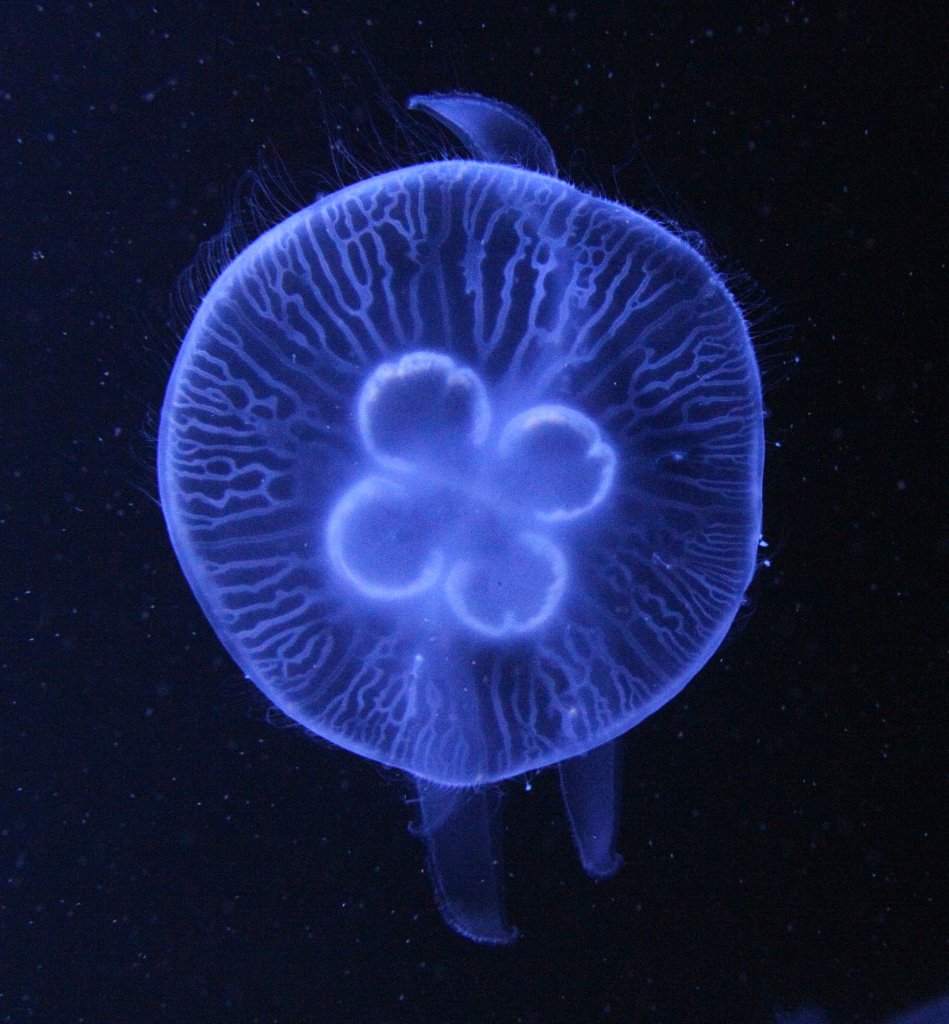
x=464, y=466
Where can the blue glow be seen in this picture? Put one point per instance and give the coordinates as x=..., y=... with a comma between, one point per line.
x=464, y=466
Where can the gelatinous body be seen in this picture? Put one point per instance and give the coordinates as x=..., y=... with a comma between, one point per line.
x=464, y=466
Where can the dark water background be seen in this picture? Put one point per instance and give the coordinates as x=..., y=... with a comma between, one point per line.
x=169, y=849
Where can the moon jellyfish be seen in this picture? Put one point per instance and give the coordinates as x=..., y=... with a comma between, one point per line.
x=464, y=467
